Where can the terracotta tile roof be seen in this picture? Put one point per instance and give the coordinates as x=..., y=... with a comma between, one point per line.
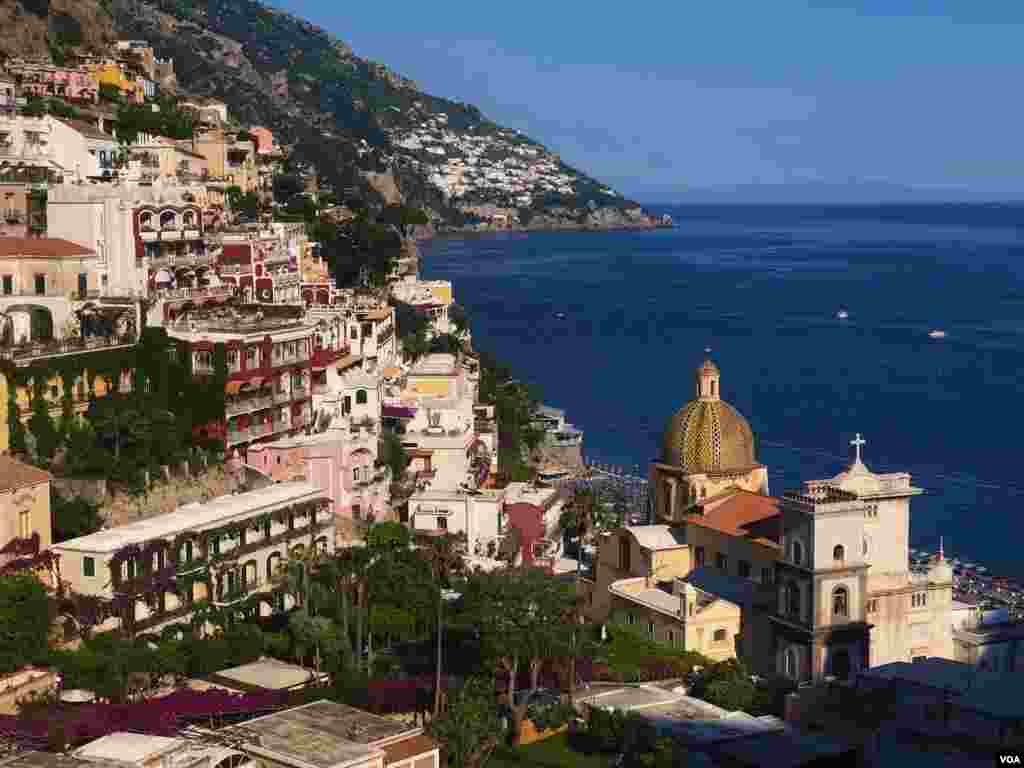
x=14, y=474
x=416, y=746
x=741, y=513
x=41, y=248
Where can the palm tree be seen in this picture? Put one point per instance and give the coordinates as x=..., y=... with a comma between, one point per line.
x=445, y=562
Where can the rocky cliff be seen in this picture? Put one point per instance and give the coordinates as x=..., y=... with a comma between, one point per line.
x=340, y=111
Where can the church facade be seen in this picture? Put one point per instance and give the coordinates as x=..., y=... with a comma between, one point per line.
x=820, y=575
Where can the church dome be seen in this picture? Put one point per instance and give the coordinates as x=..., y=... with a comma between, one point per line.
x=708, y=434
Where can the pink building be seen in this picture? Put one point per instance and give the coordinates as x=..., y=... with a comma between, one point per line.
x=264, y=141
x=38, y=79
x=340, y=462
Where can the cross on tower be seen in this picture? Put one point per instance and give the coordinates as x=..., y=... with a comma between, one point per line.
x=857, y=442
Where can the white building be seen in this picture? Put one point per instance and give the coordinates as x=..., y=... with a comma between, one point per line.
x=229, y=551
x=847, y=599
x=432, y=298
x=70, y=148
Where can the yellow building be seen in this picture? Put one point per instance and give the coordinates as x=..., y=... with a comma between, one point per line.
x=113, y=73
x=24, y=508
x=716, y=545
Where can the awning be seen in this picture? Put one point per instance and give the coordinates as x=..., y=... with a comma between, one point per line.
x=232, y=387
x=397, y=412
x=392, y=372
x=348, y=361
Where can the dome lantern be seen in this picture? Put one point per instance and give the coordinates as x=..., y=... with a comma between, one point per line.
x=707, y=381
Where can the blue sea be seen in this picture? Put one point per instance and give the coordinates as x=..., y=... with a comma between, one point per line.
x=761, y=286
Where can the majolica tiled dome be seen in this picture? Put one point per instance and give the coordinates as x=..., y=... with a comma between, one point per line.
x=708, y=434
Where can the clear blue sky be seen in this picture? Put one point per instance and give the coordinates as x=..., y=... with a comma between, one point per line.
x=665, y=94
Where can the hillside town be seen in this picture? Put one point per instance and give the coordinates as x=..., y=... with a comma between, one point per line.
x=498, y=165
x=266, y=503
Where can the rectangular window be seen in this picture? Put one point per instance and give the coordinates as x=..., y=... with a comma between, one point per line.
x=672, y=638
x=40, y=285
x=24, y=523
x=721, y=562
x=698, y=557
x=720, y=636
x=442, y=523
x=872, y=606
x=744, y=569
x=83, y=285
x=8, y=285
x=88, y=566
x=357, y=512
x=766, y=576
x=650, y=629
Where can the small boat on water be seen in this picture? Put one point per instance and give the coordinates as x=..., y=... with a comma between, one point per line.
x=560, y=315
x=937, y=334
x=842, y=314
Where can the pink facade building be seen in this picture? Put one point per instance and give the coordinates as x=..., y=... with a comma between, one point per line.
x=39, y=79
x=340, y=462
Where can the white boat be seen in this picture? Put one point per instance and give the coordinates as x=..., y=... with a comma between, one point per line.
x=937, y=334
x=842, y=314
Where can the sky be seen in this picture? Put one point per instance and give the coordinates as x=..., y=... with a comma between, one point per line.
x=659, y=97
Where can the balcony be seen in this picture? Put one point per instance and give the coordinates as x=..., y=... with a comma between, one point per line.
x=170, y=235
x=236, y=593
x=173, y=294
x=149, y=235
x=26, y=353
x=169, y=258
x=247, y=405
x=193, y=234
x=323, y=357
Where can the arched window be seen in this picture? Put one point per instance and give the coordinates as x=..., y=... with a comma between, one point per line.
x=793, y=599
x=838, y=553
x=273, y=565
x=189, y=218
x=145, y=219
x=791, y=664
x=840, y=603
x=720, y=635
x=361, y=397
x=168, y=219
x=798, y=553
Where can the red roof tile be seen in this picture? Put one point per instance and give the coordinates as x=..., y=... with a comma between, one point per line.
x=41, y=248
x=741, y=513
x=15, y=474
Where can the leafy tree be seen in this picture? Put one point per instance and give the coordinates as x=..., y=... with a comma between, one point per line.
x=403, y=218
x=459, y=318
x=286, y=186
x=520, y=613
x=727, y=685
x=245, y=204
x=24, y=620
x=445, y=563
x=447, y=343
x=393, y=455
x=47, y=438
x=73, y=517
x=470, y=728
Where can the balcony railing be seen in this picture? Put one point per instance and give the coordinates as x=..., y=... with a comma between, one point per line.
x=26, y=352
x=172, y=294
x=170, y=234
x=248, y=405
x=193, y=259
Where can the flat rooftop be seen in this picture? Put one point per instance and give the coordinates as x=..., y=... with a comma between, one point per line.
x=268, y=674
x=194, y=517
x=323, y=734
x=125, y=747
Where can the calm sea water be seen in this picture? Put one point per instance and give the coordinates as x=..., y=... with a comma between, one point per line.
x=761, y=286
